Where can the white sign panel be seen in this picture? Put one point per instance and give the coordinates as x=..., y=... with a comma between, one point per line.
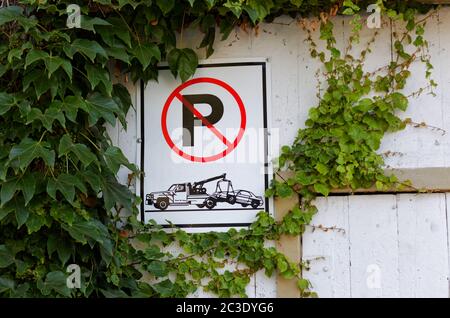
x=205, y=146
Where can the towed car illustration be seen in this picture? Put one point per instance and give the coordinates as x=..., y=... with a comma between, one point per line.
x=243, y=197
x=246, y=198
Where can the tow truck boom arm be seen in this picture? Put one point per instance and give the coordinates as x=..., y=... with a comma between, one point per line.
x=199, y=184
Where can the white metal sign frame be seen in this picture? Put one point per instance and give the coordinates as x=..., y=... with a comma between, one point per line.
x=144, y=150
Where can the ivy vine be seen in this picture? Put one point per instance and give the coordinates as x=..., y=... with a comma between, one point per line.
x=60, y=200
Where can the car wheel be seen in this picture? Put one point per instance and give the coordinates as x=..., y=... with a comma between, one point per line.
x=210, y=203
x=255, y=204
x=162, y=204
x=231, y=199
x=201, y=206
x=244, y=205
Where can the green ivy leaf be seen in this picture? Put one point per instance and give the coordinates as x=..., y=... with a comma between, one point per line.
x=35, y=222
x=41, y=83
x=399, y=101
x=114, y=192
x=52, y=64
x=5, y=211
x=3, y=69
x=29, y=149
x=92, y=178
x=22, y=214
x=88, y=23
x=114, y=293
x=297, y=3
x=82, y=231
x=17, y=53
x=303, y=284
x=100, y=106
x=157, y=268
x=65, y=183
x=28, y=186
x=123, y=99
x=70, y=106
x=350, y=5
x=146, y=54
x=252, y=13
x=132, y=3
x=118, y=53
x=118, y=29
x=35, y=55
x=284, y=190
x=164, y=288
x=379, y=185
x=282, y=264
x=81, y=151
x=165, y=5
x=97, y=75
x=304, y=178
x=87, y=47
x=25, y=183
x=61, y=246
x=234, y=7
x=210, y=3
x=9, y=14
x=323, y=169
x=63, y=213
x=6, y=285
x=51, y=114
x=322, y=189
x=114, y=158
x=258, y=9
x=183, y=62
x=54, y=281
x=153, y=252
x=357, y=132
x=269, y=193
x=6, y=255
x=7, y=101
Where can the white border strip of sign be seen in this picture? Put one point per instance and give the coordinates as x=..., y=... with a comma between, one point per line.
x=269, y=144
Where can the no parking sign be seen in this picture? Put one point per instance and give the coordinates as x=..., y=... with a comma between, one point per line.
x=191, y=114
x=204, y=149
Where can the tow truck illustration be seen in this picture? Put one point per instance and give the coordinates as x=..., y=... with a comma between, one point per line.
x=188, y=194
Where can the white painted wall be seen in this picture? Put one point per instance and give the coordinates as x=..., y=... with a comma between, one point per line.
x=405, y=236
x=386, y=246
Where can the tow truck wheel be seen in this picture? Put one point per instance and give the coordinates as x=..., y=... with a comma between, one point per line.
x=244, y=205
x=201, y=206
x=162, y=204
x=210, y=204
x=255, y=204
x=231, y=199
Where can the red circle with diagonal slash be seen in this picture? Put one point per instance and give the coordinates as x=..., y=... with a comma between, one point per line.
x=177, y=94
